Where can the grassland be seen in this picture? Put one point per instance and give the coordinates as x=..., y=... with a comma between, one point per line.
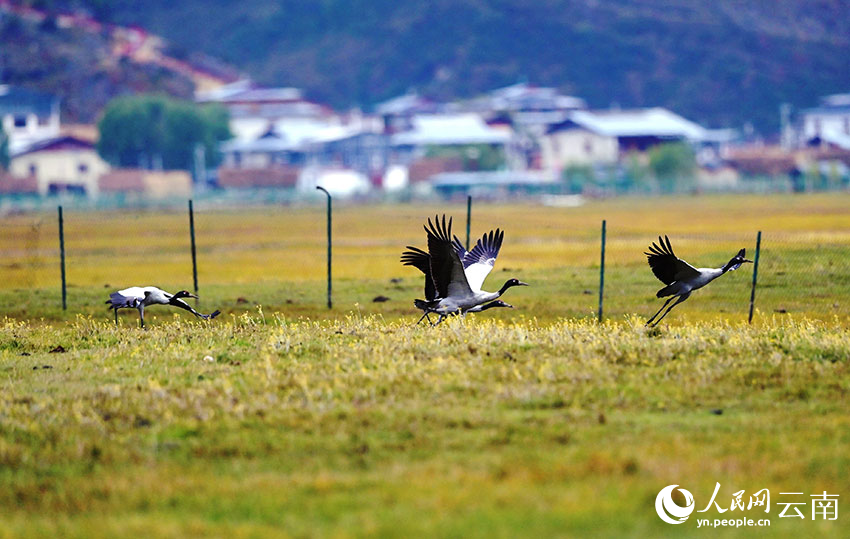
x=275, y=257
x=283, y=418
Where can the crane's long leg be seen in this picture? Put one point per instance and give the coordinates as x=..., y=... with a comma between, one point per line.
x=116, y=316
x=681, y=299
x=424, y=316
x=659, y=310
x=142, y=315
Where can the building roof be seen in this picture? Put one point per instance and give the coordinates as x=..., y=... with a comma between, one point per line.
x=491, y=178
x=15, y=100
x=836, y=138
x=55, y=144
x=411, y=103
x=447, y=129
x=263, y=95
x=244, y=91
x=653, y=122
x=527, y=97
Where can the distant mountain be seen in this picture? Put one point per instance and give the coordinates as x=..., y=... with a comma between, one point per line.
x=87, y=63
x=721, y=63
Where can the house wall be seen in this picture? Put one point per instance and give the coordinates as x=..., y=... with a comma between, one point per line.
x=817, y=123
x=33, y=128
x=148, y=183
x=561, y=149
x=61, y=167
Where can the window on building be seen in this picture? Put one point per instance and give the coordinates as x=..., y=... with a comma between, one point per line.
x=83, y=168
x=33, y=170
x=20, y=120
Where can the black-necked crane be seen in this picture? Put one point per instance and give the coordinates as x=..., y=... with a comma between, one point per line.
x=680, y=277
x=422, y=261
x=458, y=283
x=139, y=297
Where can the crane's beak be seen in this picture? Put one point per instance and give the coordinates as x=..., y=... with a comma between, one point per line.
x=747, y=260
x=191, y=296
x=520, y=283
x=509, y=306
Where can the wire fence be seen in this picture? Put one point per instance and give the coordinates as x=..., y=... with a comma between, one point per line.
x=278, y=255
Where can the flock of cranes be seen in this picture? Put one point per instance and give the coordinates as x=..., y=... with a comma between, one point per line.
x=454, y=277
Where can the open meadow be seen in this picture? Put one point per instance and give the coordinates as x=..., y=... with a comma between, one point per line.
x=284, y=418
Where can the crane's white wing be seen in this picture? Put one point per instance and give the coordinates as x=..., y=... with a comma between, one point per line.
x=140, y=293
x=479, y=262
x=134, y=292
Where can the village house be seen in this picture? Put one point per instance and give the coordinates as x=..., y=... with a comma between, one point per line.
x=27, y=116
x=828, y=124
x=60, y=164
x=269, y=125
x=606, y=137
x=146, y=184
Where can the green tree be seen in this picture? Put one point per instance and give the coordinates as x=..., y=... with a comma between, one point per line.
x=673, y=165
x=157, y=131
x=4, y=150
x=578, y=176
x=474, y=156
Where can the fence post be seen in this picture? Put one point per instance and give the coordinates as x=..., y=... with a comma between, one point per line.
x=194, y=253
x=755, y=276
x=602, y=272
x=330, y=302
x=468, y=218
x=62, y=259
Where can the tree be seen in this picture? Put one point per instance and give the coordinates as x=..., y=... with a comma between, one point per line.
x=673, y=164
x=4, y=150
x=474, y=156
x=159, y=132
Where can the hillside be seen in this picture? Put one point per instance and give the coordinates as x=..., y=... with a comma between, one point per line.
x=722, y=63
x=87, y=63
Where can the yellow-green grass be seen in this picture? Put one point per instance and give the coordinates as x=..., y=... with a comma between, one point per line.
x=262, y=426
x=284, y=418
x=276, y=257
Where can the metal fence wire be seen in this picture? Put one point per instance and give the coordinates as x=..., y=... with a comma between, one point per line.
x=800, y=274
x=806, y=274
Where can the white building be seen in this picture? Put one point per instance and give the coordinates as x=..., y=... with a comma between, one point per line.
x=604, y=137
x=60, y=164
x=27, y=116
x=829, y=123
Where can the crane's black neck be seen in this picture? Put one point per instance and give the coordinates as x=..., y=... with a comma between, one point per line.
x=505, y=286
x=728, y=266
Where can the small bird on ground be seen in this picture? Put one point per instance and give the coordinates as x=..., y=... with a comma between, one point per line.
x=457, y=283
x=139, y=297
x=680, y=277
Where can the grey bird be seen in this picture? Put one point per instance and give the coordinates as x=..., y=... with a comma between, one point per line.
x=455, y=292
x=680, y=277
x=422, y=261
x=139, y=297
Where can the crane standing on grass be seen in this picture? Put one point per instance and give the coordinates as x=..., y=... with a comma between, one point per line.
x=138, y=297
x=680, y=277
